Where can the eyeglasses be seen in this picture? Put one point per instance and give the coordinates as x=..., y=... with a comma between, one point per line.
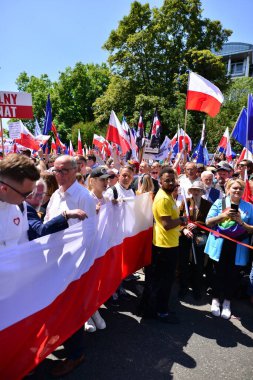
x=154, y=172
x=241, y=165
x=23, y=195
x=61, y=171
x=112, y=176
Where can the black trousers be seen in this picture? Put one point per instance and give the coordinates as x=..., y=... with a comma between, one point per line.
x=226, y=274
x=74, y=345
x=159, y=277
x=190, y=273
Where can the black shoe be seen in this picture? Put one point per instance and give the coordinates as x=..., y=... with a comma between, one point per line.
x=170, y=319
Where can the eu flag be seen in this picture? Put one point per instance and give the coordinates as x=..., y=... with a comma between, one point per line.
x=48, y=117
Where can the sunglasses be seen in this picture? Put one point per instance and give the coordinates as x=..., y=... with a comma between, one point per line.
x=23, y=195
x=154, y=172
x=112, y=176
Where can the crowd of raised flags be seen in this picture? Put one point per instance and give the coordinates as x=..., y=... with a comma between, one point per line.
x=202, y=96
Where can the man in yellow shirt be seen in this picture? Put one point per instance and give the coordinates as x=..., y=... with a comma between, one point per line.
x=159, y=276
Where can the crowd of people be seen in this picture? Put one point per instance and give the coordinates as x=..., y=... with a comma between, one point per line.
x=40, y=196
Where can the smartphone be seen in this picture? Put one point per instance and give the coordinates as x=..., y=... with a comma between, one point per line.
x=234, y=207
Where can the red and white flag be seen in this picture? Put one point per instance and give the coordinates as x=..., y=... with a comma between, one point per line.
x=27, y=139
x=79, y=143
x=245, y=154
x=57, y=138
x=53, y=146
x=63, y=278
x=203, y=95
x=184, y=140
x=225, y=144
x=102, y=144
x=98, y=141
x=71, y=150
x=116, y=134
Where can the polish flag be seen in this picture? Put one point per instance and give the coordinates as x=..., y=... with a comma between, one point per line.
x=98, y=141
x=224, y=140
x=57, y=139
x=79, y=144
x=116, y=134
x=184, y=140
x=53, y=146
x=225, y=144
x=245, y=154
x=71, y=150
x=27, y=139
x=63, y=278
x=203, y=95
x=107, y=149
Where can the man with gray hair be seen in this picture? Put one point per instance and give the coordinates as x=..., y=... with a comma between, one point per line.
x=211, y=193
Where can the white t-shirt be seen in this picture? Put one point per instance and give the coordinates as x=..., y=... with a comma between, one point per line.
x=76, y=196
x=122, y=192
x=13, y=225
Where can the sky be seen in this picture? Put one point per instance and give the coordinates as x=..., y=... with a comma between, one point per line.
x=46, y=36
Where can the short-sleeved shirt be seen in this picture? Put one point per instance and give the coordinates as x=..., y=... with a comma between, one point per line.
x=165, y=205
x=76, y=196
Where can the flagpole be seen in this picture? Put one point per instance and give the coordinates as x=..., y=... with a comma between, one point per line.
x=2, y=135
x=247, y=130
x=185, y=124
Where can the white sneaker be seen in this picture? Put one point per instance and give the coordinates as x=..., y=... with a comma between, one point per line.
x=90, y=326
x=226, y=312
x=215, y=307
x=99, y=321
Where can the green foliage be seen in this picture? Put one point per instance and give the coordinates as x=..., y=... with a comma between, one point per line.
x=87, y=131
x=150, y=54
x=236, y=97
x=76, y=91
x=39, y=88
x=117, y=97
x=151, y=51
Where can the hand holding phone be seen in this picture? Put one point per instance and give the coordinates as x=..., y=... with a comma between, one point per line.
x=234, y=207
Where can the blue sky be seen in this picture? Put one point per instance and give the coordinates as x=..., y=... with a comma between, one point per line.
x=46, y=36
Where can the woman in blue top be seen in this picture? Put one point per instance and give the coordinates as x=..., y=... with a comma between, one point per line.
x=233, y=217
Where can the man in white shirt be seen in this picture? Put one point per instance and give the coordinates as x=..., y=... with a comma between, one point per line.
x=70, y=195
x=191, y=175
x=18, y=175
x=122, y=188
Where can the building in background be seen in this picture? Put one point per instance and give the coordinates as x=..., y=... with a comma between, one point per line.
x=239, y=59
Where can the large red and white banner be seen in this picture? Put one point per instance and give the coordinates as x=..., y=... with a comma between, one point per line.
x=50, y=286
x=16, y=105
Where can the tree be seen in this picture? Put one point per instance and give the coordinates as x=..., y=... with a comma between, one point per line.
x=87, y=131
x=152, y=49
x=39, y=88
x=76, y=91
x=236, y=97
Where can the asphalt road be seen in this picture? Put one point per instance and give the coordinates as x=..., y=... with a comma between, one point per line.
x=201, y=346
